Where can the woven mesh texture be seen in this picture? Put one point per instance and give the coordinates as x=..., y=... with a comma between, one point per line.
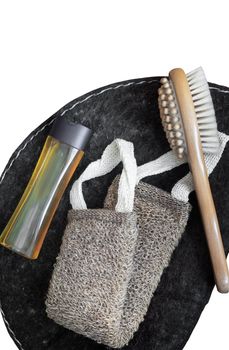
x=89, y=283
x=109, y=265
x=161, y=220
x=127, y=110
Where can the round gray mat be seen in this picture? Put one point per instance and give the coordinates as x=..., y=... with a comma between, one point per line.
x=126, y=110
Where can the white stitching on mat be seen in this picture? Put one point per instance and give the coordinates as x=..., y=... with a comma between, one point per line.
x=220, y=90
x=33, y=136
x=69, y=109
x=9, y=329
x=78, y=103
x=47, y=124
x=109, y=89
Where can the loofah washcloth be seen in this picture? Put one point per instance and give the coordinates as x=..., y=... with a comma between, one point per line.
x=88, y=287
x=161, y=220
x=110, y=264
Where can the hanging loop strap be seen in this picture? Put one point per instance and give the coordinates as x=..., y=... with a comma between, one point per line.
x=169, y=161
x=118, y=151
x=121, y=150
x=185, y=186
x=166, y=162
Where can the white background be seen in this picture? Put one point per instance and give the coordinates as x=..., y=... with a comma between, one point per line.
x=53, y=51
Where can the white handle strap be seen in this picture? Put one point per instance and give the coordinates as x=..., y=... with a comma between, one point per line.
x=184, y=187
x=119, y=150
x=166, y=162
x=169, y=161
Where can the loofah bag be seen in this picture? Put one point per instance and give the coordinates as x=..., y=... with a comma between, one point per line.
x=111, y=260
x=161, y=220
x=88, y=287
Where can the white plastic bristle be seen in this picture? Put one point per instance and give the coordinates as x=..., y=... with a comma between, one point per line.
x=195, y=73
x=202, y=102
x=205, y=124
x=204, y=109
x=201, y=98
x=207, y=132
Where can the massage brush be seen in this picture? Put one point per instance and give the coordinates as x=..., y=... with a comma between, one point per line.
x=189, y=120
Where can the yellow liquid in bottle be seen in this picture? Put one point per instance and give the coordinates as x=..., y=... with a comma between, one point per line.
x=28, y=226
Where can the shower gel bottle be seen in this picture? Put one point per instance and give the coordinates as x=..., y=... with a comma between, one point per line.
x=61, y=155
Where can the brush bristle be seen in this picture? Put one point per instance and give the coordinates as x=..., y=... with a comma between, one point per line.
x=204, y=109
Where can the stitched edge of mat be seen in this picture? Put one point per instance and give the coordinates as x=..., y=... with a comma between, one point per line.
x=42, y=127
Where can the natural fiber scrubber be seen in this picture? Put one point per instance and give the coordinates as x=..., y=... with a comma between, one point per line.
x=128, y=110
x=109, y=263
x=88, y=287
x=92, y=272
x=161, y=220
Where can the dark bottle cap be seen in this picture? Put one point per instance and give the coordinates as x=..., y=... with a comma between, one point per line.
x=75, y=135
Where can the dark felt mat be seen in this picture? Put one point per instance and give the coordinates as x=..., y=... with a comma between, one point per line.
x=126, y=110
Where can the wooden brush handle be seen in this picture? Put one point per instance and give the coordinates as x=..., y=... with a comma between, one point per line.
x=211, y=225
x=200, y=179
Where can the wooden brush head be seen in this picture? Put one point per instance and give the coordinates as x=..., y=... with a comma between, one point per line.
x=185, y=102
